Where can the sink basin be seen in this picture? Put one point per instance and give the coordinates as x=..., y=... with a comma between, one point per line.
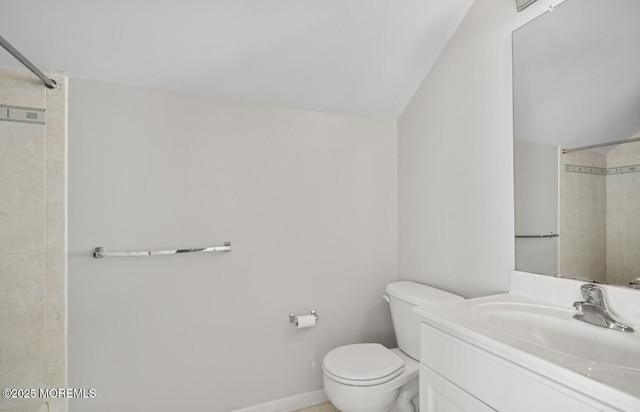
x=554, y=329
x=531, y=329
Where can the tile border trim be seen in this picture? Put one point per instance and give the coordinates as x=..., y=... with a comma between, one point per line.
x=21, y=121
x=35, y=109
x=623, y=170
x=585, y=169
x=601, y=170
x=23, y=114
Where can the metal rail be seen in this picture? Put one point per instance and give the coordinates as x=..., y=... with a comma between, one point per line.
x=99, y=252
x=543, y=236
x=593, y=146
x=50, y=83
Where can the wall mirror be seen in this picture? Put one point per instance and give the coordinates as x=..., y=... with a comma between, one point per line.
x=576, y=82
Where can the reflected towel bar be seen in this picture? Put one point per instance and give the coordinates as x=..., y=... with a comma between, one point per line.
x=544, y=236
x=99, y=252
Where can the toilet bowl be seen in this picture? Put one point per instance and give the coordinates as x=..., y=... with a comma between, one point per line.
x=370, y=378
x=367, y=377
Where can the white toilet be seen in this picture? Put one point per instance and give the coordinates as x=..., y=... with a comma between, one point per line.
x=367, y=377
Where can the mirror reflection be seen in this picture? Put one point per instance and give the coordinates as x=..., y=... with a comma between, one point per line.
x=577, y=142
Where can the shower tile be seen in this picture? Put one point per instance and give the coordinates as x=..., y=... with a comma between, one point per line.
x=55, y=265
x=22, y=276
x=23, y=231
x=21, y=88
x=56, y=149
x=22, y=182
x=22, y=149
x=23, y=366
x=55, y=181
x=22, y=321
x=32, y=237
x=23, y=405
x=56, y=351
x=56, y=301
x=55, y=222
x=19, y=192
x=56, y=380
x=56, y=117
x=58, y=404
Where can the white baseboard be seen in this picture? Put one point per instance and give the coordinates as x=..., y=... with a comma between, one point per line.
x=288, y=404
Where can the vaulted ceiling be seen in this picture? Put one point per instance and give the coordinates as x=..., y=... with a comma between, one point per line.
x=360, y=57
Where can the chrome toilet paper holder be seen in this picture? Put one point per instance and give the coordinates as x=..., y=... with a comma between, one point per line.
x=292, y=316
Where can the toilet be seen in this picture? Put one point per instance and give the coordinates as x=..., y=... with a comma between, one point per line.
x=367, y=377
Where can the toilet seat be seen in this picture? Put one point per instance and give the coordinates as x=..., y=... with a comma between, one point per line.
x=363, y=364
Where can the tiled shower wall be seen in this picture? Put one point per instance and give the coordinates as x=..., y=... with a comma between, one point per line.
x=599, y=214
x=583, y=214
x=32, y=237
x=623, y=213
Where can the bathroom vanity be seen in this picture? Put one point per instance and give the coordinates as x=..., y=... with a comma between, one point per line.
x=524, y=351
x=531, y=349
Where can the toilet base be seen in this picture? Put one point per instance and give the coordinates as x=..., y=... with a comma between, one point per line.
x=359, y=399
x=408, y=398
x=397, y=395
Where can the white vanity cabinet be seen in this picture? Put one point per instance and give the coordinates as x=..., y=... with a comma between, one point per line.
x=456, y=376
x=524, y=351
x=440, y=395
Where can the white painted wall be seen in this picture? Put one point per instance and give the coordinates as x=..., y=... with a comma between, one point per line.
x=309, y=202
x=536, y=206
x=455, y=159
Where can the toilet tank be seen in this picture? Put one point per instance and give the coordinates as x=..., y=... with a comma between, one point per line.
x=403, y=297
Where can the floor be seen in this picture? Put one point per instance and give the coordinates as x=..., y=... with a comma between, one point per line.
x=323, y=407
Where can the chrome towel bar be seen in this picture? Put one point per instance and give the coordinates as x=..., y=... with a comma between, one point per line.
x=99, y=252
x=543, y=236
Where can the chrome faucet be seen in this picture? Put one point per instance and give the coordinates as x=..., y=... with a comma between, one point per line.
x=594, y=309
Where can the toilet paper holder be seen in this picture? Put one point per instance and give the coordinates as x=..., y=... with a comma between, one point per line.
x=292, y=316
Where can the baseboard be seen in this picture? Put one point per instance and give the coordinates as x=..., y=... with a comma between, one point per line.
x=291, y=403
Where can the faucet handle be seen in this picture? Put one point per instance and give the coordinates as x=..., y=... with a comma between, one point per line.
x=593, y=294
x=586, y=288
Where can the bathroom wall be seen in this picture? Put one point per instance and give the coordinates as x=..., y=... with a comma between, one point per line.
x=455, y=159
x=32, y=237
x=308, y=201
x=583, y=215
x=536, y=206
x=623, y=214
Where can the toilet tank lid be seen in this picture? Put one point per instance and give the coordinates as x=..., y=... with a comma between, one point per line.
x=419, y=294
